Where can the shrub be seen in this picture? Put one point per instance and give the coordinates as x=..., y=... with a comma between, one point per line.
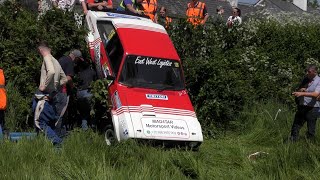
x=20, y=32
x=227, y=69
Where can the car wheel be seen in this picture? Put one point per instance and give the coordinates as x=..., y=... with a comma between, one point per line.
x=109, y=135
x=194, y=146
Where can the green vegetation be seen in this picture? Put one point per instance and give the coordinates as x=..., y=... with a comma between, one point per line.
x=232, y=77
x=84, y=155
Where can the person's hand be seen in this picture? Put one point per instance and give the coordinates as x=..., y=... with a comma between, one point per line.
x=105, y=3
x=139, y=12
x=100, y=7
x=297, y=94
x=303, y=89
x=42, y=88
x=85, y=12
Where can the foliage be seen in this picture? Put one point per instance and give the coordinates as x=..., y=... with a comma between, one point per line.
x=18, y=108
x=100, y=101
x=226, y=69
x=84, y=155
x=20, y=32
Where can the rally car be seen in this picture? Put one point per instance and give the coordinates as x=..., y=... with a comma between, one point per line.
x=147, y=92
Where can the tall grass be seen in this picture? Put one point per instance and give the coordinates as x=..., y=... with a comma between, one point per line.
x=84, y=155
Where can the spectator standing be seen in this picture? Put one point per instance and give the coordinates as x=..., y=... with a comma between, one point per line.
x=163, y=19
x=130, y=5
x=85, y=75
x=52, y=76
x=308, y=106
x=219, y=17
x=150, y=9
x=100, y=4
x=197, y=13
x=51, y=79
x=235, y=19
x=65, y=95
x=3, y=98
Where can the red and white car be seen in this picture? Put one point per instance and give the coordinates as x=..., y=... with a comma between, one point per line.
x=148, y=95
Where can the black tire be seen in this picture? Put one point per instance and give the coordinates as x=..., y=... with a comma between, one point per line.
x=193, y=147
x=110, y=135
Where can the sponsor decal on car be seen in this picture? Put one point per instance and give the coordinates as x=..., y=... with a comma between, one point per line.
x=153, y=61
x=170, y=128
x=121, y=16
x=157, y=96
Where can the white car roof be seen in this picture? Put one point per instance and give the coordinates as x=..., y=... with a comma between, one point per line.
x=127, y=21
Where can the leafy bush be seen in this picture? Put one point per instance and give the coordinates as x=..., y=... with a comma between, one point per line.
x=20, y=31
x=226, y=69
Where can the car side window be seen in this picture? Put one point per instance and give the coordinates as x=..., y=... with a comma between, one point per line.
x=112, y=44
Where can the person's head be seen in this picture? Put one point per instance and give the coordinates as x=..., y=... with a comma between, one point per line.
x=236, y=12
x=163, y=11
x=194, y=1
x=75, y=54
x=43, y=48
x=220, y=10
x=311, y=71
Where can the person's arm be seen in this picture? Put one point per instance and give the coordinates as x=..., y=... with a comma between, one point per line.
x=206, y=15
x=156, y=17
x=92, y=4
x=63, y=78
x=307, y=94
x=130, y=7
x=84, y=6
x=205, y=18
x=50, y=72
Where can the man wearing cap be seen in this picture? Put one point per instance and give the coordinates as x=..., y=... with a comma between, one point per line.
x=67, y=64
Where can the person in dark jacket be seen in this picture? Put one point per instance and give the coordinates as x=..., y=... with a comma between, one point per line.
x=85, y=76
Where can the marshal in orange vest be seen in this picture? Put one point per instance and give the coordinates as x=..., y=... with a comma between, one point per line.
x=195, y=12
x=3, y=95
x=150, y=8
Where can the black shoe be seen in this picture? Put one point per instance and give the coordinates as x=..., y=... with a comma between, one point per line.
x=290, y=139
x=311, y=138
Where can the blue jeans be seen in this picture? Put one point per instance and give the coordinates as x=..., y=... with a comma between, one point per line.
x=84, y=103
x=47, y=120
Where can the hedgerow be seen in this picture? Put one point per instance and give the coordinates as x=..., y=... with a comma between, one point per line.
x=225, y=69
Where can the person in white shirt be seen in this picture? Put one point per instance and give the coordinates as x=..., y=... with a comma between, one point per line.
x=235, y=19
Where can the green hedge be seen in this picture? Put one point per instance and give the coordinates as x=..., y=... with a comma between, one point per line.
x=224, y=69
x=20, y=32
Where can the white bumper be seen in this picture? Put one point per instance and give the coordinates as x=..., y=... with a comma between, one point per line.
x=157, y=126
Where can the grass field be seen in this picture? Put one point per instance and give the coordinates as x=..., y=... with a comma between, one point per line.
x=84, y=155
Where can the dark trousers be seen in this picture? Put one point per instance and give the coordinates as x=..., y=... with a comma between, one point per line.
x=2, y=118
x=305, y=114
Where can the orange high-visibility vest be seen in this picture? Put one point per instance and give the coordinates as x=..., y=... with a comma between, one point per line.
x=168, y=21
x=150, y=8
x=195, y=13
x=3, y=95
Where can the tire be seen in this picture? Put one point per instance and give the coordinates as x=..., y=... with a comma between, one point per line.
x=110, y=135
x=194, y=147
